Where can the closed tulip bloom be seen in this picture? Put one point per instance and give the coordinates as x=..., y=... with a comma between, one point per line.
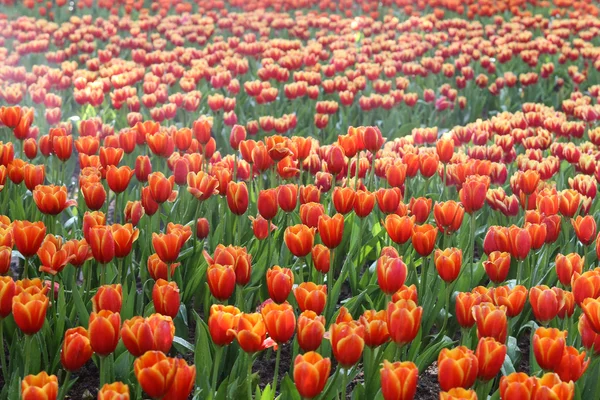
x=497, y=239
x=548, y=347
x=347, y=342
x=491, y=321
x=399, y=228
x=513, y=299
x=118, y=178
x=238, y=257
x=279, y=320
x=29, y=311
x=155, y=372
x=161, y=187
x=568, y=202
x=159, y=269
x=520, y=242
x=250, y=332
x=167, y=245
x=537, y=232
x=585, y=229
x=76, y=349
x=457, y=368
x=94, y=195
x=403, y=321
x=321, y=258
x=472, y=194
x=8, y=290
x=28, y=236
x=572, y=366
x=34, y=175
x=220, y=322
x=310, y=296
x=141, y=334
x=364, y=203
x=589, y=339
x=51, y=199
x=396, y=174
x=104, y=328
x=279, y=283
x=287, y=197
x=585, y=285
x=310, y=213
x=465, y=301
x=343, y=199
x=549, y=386
x=143, y=168
x=331, y=230
x=420, y=208
x=165, y=297
x=388, y=199
x=40, y=386
x=309, y=194
x=261, y=228
x=490, y=356
x=299, y=239
x=124, y=236
x=517, y=385
x=497, y=266
x=54, y=255
x=545, y=303
x=391, y=274
x=458, y=394
x=448, y=263
x=5, y=259
x=185, y=379
x=375, y=323
x=114, y=391
x=528, y=181
x=100, y=239
x=311, y=372
x=62, y=146
x=445, y=149
x=567, y=265
x=423, y=238
x=311, y=329
x=399, y=380
x=237, y=197
x=108, y=297
x=267, y=203
x=406, y=293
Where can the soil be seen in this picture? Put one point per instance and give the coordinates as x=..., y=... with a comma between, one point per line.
x=427, y=385
x=87, y=383
x=524, y=344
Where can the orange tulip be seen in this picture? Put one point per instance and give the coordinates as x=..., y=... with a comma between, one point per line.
x=11, y=116
x=76, y=349
x=165, y=297
x=34, y=175
x=517, y=386
x=423, y=238
x=448, y=263
x=585, y=285
x=8, y=290
x=572, y=365
x=51, y=199
x=28, y=236
x=585, y=229
x=40, y=386
x=343, y=199
x=310, y=214
x=331, y=230
x=279, y=283
x=347, y=342
x=445, y=149
x=168, y=245
x=399, y=380
x=100, y=238
x=391, y=274
x=267, y=204
x=548, y=347
x=54, y=255
x=403, y=321
x=156, y=373
x=528, y=181
x=140, y=334
x=118, y=178
x=490, y=356
x=464, y=308
x=537, y=232
x=567, y=265
x=184, y=381
x=94, y=195
x=550, y=386
x=114, y=391
x=420, y=208
x=545, y=303
x=108, y=297
x=589, y=338
x=287, y=197
x=29, y=311
x=364, y=203
x=399, y=228
x=250, y=332
x=159, y=269
x=299, y=239
x=237, y=197
x=376, y=332
x=311, y=329
x=237, y=257
x=311, y=372
x=568, y=202
x=520, y=242
x=497, y=266
x=161, y=187
x=310, y=296
x=448, y=216
x=458, y=394
x=473, y=191
x=513, y=299
x=321, y=258
x=220, y=321
x=124, y=236
x=103, y=331
x=388, y=199
x=279, y=320
x=457, y=368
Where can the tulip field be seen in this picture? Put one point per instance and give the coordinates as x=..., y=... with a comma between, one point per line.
x=299, y=199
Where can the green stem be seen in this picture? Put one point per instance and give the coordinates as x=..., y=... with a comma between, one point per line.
x=26, y=268
x=472, y=240
x=269, y=243
x=276, y=374
x=102, y=371
x=215, y=376
x=249, y=376
x=520, y=272
x=345, y=383
x=103, y=274
x=65, y=385
x=2, y=356
x=28, y=340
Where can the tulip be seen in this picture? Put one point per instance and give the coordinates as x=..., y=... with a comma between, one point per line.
x=167, y=245
x=104, y=327
x=250, y=332
x=279, y=283
x=76, y=349
x=29, y=311
x=165, y=297
x=221, y=280
x=124, y=236
x=550, y=386
x=491, y=321
x=490, y=356
x=310, y=214
x=202, y=228
x=517, y=386
x=520, y=242
x=347, y=342
x=465, y=302
x=287, y=197
x=51, y=199
x=159, y=269
x=513, y=299
x=94, y=195
x=155, y=372
x=403, y=321
x=497, y=266
x=448, y=216
x=376, y=332
x=8, y=290
x=220, y=322
x=399, y=380
x=53, y=255
x=364, y=203
x=34, y=175
x=279, y=320
x=568, y=202
x=161, y=188
x=310, y=296
x=545, y=303
x=388, y=199
x=237, y=197
x=108, y=297
x=40, y=386
x=423, y=239
x=331, y=230
x=548, y=347
x=102, y=242
x=457, y=368
x=140, y=334
x=311, y=329
x=311, y=372
x=472, y=193
x=391, y=274
x=458, y=394
x=572, y=365
x=399, y=228
x=114, y=391
x=299, y=239
x=237, y=257
x=567, y=265
x=537, y=233
x=585, y=229
x=184, y=381
x=28, y=236
x=343, y=199
x=118, y=178
x=448, y=263
x=267, y=204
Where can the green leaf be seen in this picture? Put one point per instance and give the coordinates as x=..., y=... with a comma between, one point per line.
x=288, y=390
x=507, y=366
x=123, y=365
x=182, y=343
x=426, y=358
x=82, y=312
x=202, y=354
